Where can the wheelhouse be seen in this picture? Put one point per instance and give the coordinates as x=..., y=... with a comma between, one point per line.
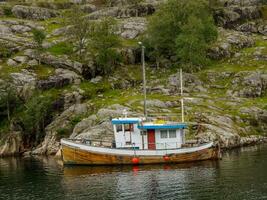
x=135, y=133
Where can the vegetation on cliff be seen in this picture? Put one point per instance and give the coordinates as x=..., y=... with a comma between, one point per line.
x=87, y=67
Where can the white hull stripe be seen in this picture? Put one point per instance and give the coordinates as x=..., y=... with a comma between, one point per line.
x=129, y=152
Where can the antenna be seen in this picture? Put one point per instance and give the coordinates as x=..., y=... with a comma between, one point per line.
x=182, y=100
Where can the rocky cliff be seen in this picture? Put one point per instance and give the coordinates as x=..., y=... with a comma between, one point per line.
x=227, y=101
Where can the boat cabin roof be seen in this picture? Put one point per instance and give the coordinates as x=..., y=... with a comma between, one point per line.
x=126, y=120
x=149, y=125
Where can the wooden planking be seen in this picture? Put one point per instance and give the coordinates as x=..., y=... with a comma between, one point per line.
x=78, y=156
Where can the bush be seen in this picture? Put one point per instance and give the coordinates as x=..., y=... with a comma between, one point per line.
x=63, y=132
x=182, y=27
x=103, y=45
x=8, y=11
x=5, y=52
x=38, y=36
x=37, y=115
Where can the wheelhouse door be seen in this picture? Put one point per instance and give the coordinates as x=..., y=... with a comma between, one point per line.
x=151, y=140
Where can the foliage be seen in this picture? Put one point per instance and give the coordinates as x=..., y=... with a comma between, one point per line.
x=79, y=30
x=9, y=100
x=8, y=11
x=38, y=110
x=38, y=36
x=63, y=132
x=184, y=27
x=5, y=52
x=61, y=48
x=103, y=44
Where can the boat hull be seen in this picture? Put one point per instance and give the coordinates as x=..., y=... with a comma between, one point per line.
x=93, y=156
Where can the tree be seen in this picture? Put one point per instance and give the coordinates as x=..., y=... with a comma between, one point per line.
x=8, y=101
x=78, y=30
x=36, y=114
x=184, y=28
x=103, y=44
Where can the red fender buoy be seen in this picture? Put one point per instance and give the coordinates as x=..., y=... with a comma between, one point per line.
x=135, y=160
x=166, y=158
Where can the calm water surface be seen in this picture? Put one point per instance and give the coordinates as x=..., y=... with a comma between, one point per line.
x=242, y=174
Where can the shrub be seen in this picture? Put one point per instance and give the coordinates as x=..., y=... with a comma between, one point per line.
x=8, y=11
x=184, y=28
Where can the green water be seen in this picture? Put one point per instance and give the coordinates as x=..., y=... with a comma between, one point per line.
x=241, y=174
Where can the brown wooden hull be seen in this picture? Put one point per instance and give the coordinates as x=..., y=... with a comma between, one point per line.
x=83, y=157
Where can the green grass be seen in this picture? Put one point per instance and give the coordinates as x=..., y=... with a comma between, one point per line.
x=61, y=49
x=5, y=70
x=43, y=71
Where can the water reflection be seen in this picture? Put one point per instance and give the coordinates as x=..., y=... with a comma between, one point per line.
x=142, y=182
x=241, y=174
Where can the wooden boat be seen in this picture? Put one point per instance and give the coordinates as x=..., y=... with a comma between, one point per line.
x=83, y=154
x=139, y=141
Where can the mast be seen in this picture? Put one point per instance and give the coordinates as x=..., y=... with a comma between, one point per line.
x=144, y=76
x=182, y=100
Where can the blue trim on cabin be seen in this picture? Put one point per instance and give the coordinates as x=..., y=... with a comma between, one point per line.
x=125, y=121
x=163, y=126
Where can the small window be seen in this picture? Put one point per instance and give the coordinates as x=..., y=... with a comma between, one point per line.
x=128, y=127
x=172, y=133
x=119, y=127
x=163, y=134
x=143, y=133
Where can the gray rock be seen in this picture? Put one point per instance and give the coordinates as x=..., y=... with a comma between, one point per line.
x=249, y=84
x=191, y=83
x=33, y=63
x=25, y=83
x=140, y=10
x=5, y=30
x=20, y=28
x=250, y=27
x=84, y=126
x=34, y=13
x=96, y=79
x=72, y=98
x=155, y=103
x=231, y=17
x=218, y=129
x=59, y=62
x=88, y=8
x=132, y=27
x=12, y=145
x=228, y=42
x=21, y=59
x=68, y=74
x=263, y=29
x=51, y=145
x=10, y=62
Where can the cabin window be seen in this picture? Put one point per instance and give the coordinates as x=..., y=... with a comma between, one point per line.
x=143, y=133
x=163, y=134
x=128, y=127
x=172, y=133
x=119, y=127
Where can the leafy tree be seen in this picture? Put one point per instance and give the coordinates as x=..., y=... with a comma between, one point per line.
x=103, y=44
x=8, y=101
x=184, y=28
x=38, y=110
x=79, y=29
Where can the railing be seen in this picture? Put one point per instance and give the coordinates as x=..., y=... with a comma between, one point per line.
x=117, y=145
